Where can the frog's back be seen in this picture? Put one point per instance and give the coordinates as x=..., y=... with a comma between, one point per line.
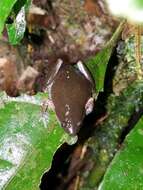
x=69, y=92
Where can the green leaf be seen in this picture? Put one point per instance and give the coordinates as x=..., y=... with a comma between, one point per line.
x=16, y=30
x=126, y=169
x=97, y=65
x=5, y=9
x=29, y=139
x=17, y=6
x=137, y=4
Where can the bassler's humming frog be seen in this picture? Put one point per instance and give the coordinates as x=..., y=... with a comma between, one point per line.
x=70, y=89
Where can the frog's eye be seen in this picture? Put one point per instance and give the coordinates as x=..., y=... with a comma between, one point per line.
x=84, y=70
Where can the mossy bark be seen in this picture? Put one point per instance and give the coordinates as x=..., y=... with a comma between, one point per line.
x=126, y=100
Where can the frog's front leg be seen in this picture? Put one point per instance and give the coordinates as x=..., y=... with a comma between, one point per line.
x=47, y=104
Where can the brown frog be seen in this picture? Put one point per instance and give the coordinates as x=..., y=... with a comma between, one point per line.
x=70, y=89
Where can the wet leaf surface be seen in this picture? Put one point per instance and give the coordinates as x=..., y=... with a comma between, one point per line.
x=29, y=140
x=126, y=169
x=17, y=29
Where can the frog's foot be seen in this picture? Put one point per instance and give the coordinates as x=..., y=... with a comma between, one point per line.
x=44, y=116
x=89, y=105
x=47, y=104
